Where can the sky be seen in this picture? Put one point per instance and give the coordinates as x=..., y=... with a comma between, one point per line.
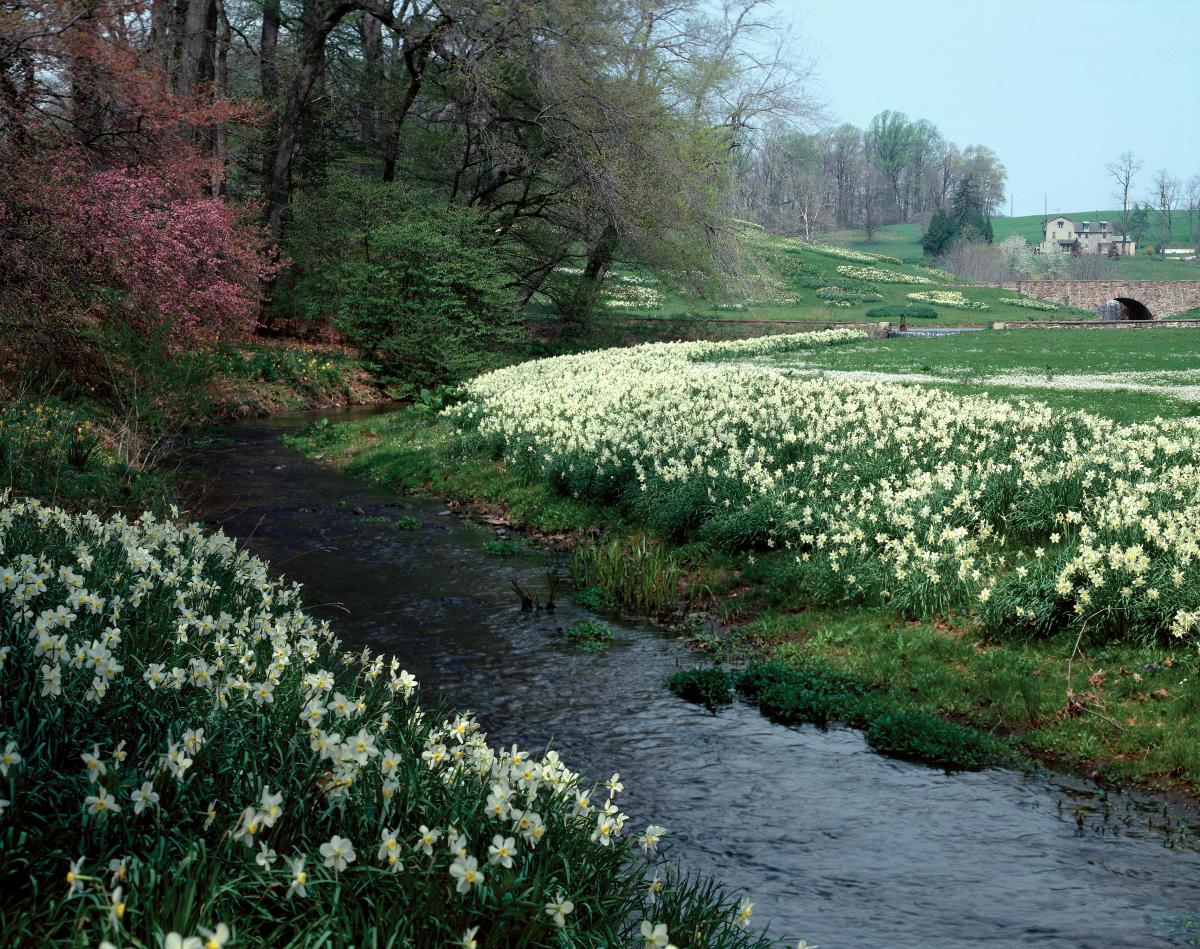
x=1058, y=88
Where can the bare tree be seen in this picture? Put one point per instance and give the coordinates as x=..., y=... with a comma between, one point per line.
x=1191, y=198
x=1123, y=171
x=1166, y=196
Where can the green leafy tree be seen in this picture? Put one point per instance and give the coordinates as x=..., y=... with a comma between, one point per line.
x=421, y=287
x=1139, y=221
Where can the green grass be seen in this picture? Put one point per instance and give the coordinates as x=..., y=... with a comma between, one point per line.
x=904, y=241
x=70, y=454
x=1152, y=357
x=803, y=276
x=1141, y=710
x=1138, y=715
x=1029, y=226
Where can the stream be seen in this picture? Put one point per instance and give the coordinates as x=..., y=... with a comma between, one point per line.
x=833, y=843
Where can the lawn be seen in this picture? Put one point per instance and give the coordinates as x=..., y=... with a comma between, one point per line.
x=1029, y=226
x=1125, y=375
x=791, y=280
x=904, y=241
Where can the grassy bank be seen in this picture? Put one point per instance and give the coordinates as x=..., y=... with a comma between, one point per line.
x=185, y=751
x=1086, y=695
x=786, y=279
x=109, y=443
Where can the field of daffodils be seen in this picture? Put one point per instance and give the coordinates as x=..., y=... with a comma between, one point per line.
x=187, y=759
x=1039, y=521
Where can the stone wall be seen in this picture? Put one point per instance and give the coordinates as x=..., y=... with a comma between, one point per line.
x=1164, y=298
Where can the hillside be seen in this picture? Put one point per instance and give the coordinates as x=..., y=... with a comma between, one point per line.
x=792, y=280
x=1029, y=226
x=904, y=241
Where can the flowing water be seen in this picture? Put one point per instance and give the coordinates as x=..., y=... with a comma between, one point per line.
x=833, y=843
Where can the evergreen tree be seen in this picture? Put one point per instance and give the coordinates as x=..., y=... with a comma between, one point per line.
x=940, y=234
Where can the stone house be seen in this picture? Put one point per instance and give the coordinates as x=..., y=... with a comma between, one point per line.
x=1086, y=237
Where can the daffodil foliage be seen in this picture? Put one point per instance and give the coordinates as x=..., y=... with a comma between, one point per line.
x=189, y=759
x=1042, y=520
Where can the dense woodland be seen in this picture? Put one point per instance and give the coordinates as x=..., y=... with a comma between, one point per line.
x=409, y=172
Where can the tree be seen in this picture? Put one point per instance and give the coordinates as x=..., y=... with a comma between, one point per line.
x=1139, y=221
x=970, y=210
x=1017, y=255
x=890, y=142
x=107, y=205
x=940, y=234
x=1166, y=194
x=1191, y=198
x=1123, y=171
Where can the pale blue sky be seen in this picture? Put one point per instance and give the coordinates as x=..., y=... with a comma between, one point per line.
x=1032, y=79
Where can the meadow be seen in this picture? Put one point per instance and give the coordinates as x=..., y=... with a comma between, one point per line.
x=786, y=279
x=1124, y=375
x=1023, y=568
x=904, y=241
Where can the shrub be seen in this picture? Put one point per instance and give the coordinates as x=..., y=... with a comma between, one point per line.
x=901, y=311
x=213, y=758
x=417, y=285
x=710, y=687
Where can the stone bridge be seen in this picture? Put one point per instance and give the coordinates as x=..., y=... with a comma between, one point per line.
x=1162, y=298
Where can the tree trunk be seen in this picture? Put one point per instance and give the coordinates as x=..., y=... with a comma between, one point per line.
x=587, y=291
x=371, y=33
x=161, y=18
x=317, y=28
x=414, y=64
x=220, y=80
x=197, y=62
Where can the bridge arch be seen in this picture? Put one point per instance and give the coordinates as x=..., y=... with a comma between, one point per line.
x=1132, y=309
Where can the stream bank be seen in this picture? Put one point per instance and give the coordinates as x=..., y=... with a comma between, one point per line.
x=833, y=843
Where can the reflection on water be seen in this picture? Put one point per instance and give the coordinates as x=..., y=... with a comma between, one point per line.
x=833, y=843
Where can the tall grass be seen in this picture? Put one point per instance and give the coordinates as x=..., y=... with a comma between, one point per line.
x=638, y=573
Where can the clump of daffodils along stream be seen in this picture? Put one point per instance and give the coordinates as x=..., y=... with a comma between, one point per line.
x=1041, y=520
x=188, y=758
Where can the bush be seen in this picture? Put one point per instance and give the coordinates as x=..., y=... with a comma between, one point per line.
x=215, y=759
x=902, y=311
x=709, y=687
x=417, y=285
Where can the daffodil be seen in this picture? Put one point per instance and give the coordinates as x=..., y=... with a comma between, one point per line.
x=338, y=853
x=501, y=851
x=143, y=797
x=101, y=803
x=466, y=874
x=559, y=908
